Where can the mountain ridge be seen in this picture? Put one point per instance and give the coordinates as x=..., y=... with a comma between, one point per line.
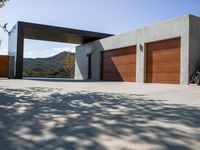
x=50, y=66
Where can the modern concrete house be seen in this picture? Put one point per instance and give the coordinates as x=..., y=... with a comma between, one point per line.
x=162, y=53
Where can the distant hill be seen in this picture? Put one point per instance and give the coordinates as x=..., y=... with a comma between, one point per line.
x=60, y=65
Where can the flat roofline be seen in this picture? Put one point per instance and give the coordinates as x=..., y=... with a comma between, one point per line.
x=157, y=23
x=63, y=29
x=57, y=34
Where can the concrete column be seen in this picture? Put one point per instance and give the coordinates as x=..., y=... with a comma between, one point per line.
x=140, y=63
x=140, y=59
x=81, y=62
x=184, y=64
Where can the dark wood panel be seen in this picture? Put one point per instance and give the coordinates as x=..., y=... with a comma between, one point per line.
x=4, y=58
x=4, y=66
x=125, y=59
x=109, y=77
x=4, y=74
x=163, y=61
x=119, y=52
x=119, y=64
x=127, y=67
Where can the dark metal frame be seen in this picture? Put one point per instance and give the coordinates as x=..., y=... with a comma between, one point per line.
x=34, y=31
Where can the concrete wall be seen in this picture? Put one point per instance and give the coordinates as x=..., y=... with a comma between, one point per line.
x=81, y=63
x=194, y=42
x=178, y=27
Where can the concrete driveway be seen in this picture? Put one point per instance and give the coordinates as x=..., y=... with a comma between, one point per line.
x=58, y=115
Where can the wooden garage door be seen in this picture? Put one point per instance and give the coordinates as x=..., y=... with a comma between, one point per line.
x=163, y=61
x=119, y=64
x=4, y=65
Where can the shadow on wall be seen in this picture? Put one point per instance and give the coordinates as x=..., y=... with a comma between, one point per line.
x=46, y=118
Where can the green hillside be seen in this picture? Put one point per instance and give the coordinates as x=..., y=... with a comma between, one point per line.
x=60, y=65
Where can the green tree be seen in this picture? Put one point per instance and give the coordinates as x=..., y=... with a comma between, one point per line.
x=2, y=2
x=69, y=65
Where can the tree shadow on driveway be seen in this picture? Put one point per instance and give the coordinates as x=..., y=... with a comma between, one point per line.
x=46, y=118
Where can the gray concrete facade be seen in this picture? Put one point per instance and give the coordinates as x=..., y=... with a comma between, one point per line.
x=194, y=42
x=185, y=27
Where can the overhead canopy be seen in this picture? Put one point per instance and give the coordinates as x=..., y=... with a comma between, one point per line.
x=34, y=31
x=58, y=34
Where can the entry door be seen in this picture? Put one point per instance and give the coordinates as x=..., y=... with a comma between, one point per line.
x=119, y=64
x=89, y=66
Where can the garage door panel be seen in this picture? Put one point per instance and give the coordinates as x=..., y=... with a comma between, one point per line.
x=4, y=59
x=164, y=64
x=164, y=54
x=109, y=77
x=3, y=74
x=129, y=78
x=3, y=67
x=119, y=64
x=122, y=73
x=165, y=44
x=163, y=61
x=163, y=51
x=120, y=70
x=119, y=61
x=127, y=74
x=124, y=58
x=121, y=67
x=118, y=52
x=169, y=78
x=163, y=67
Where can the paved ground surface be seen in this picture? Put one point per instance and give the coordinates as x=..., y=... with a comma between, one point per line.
x=58, y=115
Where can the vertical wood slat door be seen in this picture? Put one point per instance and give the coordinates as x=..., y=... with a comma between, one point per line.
x=119, y=64
x=163, y=61
x=4, y=66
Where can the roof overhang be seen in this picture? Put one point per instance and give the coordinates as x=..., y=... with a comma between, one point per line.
x=25, y=30
x=58, y=34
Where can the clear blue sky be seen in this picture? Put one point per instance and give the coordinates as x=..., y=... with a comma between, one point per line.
x=109, y=16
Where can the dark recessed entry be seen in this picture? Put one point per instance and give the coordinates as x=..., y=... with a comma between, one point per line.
x=89, y=66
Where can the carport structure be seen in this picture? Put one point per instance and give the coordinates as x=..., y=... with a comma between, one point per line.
x=24, y=30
